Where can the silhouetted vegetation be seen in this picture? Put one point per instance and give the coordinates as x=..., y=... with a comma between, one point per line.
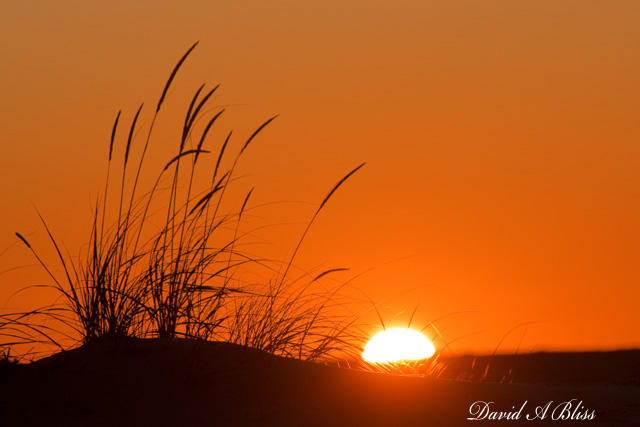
x=176, y=277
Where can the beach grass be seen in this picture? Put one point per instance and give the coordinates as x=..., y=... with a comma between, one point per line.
x=176, y=276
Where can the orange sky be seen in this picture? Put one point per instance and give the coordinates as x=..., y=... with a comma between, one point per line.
x=501, y=139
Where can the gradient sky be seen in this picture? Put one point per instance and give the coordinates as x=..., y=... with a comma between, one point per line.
x=502, y=141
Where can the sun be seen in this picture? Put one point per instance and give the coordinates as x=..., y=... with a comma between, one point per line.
x=396, y=344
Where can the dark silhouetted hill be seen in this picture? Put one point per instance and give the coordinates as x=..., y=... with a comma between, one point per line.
x=133, y=382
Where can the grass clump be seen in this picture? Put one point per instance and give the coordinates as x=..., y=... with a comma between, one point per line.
x=175, y=277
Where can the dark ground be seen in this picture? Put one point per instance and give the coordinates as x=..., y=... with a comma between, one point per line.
x=184, y=383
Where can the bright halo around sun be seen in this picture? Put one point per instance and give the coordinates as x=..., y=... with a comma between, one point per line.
x=396, y=344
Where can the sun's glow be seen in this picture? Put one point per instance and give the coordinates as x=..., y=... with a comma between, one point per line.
x=396, y=344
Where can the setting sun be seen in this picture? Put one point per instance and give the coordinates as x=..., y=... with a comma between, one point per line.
x=395, y=344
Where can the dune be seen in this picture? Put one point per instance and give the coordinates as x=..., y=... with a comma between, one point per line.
x=145, y=382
